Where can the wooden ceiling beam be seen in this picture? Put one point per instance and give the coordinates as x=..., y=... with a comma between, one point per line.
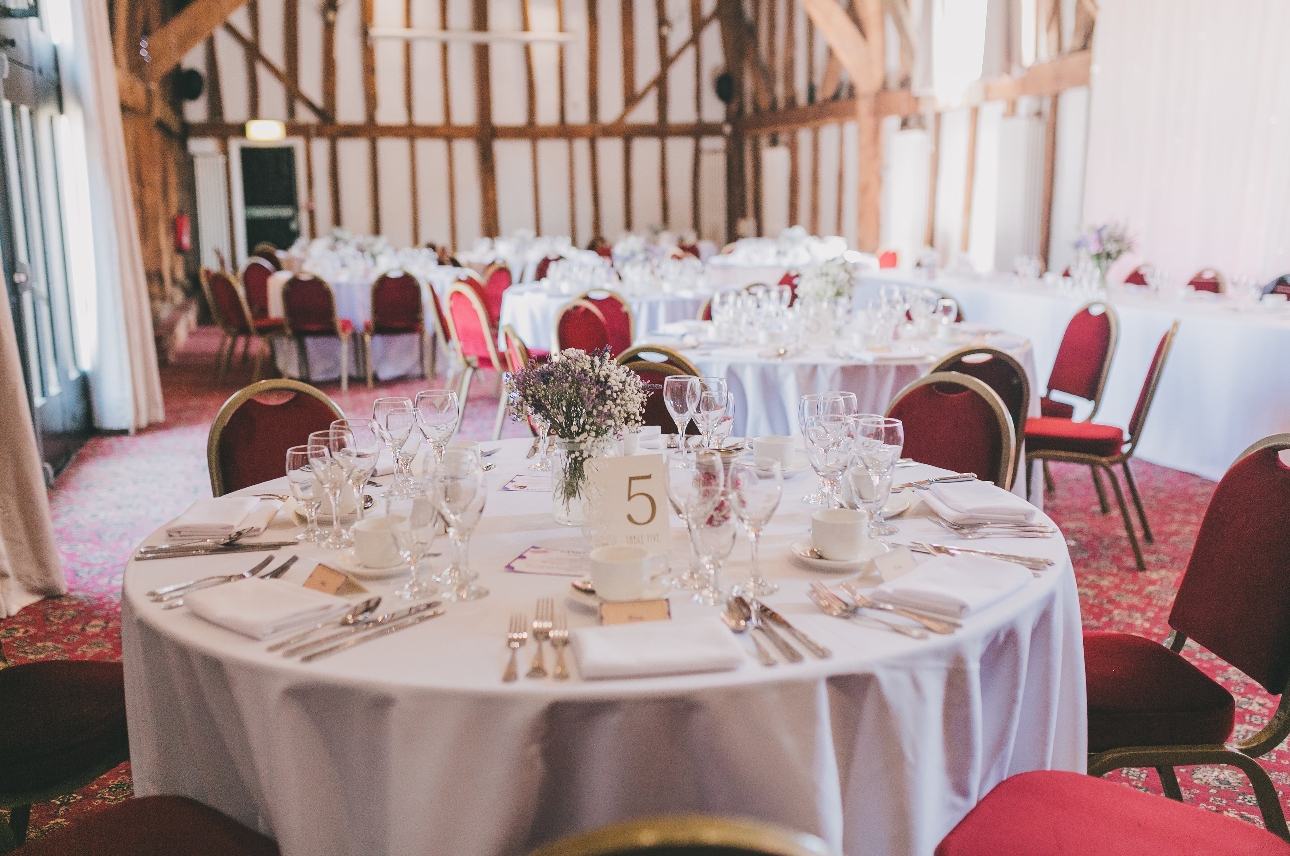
x=168, y=45
x=864, y=65
x=362, y=131
x=636, y=99
x=287, y=82
x=1047, y=78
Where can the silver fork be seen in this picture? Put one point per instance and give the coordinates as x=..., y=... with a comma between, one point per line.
x=936, y=625
x=972, y=532
x=830, y=604
x=542, y=622
x=559, y=639
x=515, y=639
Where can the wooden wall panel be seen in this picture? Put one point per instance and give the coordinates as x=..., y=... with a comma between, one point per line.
x=273, y=96
x=514, y=185
x=320, y=187
x=553, y=180
x=582, y=193
x=350, y=105
x=830, y=163
x=609, y=62
x=850, y=149
x=680, y=180
x=465, y=161
x=609, y=156
x=427, y=80
x=806, y=187
x=395, y=191
x=310, y=30
x=432, y=191
x=353, y=159
x=391, y=100
x=234, y=85
x=646, y=172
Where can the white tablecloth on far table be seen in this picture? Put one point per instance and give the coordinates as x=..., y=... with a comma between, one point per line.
x=531, y=310
x=412, y=744
x=723, y=276
x=1227, y=383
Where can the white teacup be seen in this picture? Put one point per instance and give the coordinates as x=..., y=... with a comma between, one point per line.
x=780, y=449
x=619, y=572
x=374, y=544
x=840, y=534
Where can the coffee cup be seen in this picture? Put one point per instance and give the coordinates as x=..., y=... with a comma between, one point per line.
x=780, y=449
x=374, y=544
x=840, y=534
x=619, y=572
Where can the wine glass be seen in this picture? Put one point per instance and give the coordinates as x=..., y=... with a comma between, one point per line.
x=460, y=494
x=947, y=310
x=331, y=477
x=397, y=420
x=870, y=475
x=681, y=395
x=306, y=491
x=694, y=476
x=437, y=413
x=709, y=413
x=891, y=434
x=359, y=449
x=414, y=535
x=830, y=441
x=543, y=462
x=712, y=531
x=723, y=429
x=755, y=488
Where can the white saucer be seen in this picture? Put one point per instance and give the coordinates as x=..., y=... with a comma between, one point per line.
x=801, y=464
x=800, y=552
x=894, y=507
x=348, y=562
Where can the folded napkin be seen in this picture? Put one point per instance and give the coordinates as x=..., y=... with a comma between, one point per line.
x=655, y=648
x=262, y=608
x=220, y=518
x=954, y=586
x=977, y=502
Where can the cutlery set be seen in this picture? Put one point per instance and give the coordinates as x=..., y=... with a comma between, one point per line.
x=752, y=617
x=173, y=595
x=213, y=547
x=355, y=627
x=546, y=627
x=924, y=484
x=996, y=529
x=1034, y=563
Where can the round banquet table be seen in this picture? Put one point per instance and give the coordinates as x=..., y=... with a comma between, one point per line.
x=413, y=745
x=531, y=310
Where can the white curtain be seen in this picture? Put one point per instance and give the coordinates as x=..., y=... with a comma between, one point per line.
x=124, y=380
x=1189, y=133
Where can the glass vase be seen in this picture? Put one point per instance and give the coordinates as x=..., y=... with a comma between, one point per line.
x=569, y=476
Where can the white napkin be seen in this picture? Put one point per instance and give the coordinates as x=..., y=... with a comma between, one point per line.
x=262, y=608
x=655, y=648
x=219, y=518
x=954, y=586
x=977, y=502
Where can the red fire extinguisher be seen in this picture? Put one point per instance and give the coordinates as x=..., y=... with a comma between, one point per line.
x=183, y=233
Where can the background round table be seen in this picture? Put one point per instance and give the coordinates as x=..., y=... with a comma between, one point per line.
x=412, y=744
x=531, y=310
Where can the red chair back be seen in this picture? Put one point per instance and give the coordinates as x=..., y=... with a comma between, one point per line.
x=653, y=365
x=791, y=279
x=604, y=250
x=439, y=317
x=1280, y=285
x=309, y=306
x=396, y=304
x=959, y=423
x=1148, y=393
x=705, y=314
x=689, y=249
x=470, y=327
x=1209, y=280
x=999, y=371
x=581, y=325
x=887, y=259
x=619, y=322
x=1084, y=356
x=226, y=304
x=539, y=272
x=497, y=278
x=1234, y=598
x=1136, y=277
x=255, y=282
x=250, y=436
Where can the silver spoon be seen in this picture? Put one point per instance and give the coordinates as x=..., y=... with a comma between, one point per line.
x=355, y=615
x=735, y=619
x=832, y=605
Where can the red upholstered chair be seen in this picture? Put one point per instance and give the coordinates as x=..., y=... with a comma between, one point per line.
x=791, y=278
x=1150, y=707
x=154, y=826
x=1209, y=279
x=1083, y=359
x=397, y=310
x=1002, y=373
x=619, y=320
x=959, y=423
x=1103, y=447
x=310, y=309
x=249, y=438
x=705, y=311
x=255, y=284
x=689, y=249
x=1136, y=277
x=475, y=341
x=497, y=278
x=62, y=725
x=887, y=258
x=518, y=358
x=654, y=364
x=1056, y=813
x=233, y=315
x=581, y=325
x=267, y=251
x=1280, y=285
x=543, y=265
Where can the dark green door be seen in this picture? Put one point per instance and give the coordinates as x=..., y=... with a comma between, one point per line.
x=269, y=194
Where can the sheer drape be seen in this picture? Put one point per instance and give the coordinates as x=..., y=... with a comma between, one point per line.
x=1189, y=132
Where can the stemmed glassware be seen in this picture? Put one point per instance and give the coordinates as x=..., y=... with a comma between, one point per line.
x=414, y=535
x=947, y=309
x=709, y=414
x=713, y=534
x=437, y=413
x=306, y=490
x=542, y=463
x=693, y=475
x=681, y=395
x=870, y=476
x=830, y=441
x=890, y=433
x=356, y=443
x=331, y=477
x=460, y=494
x=396, y=419
x=755, y=489
x=833, y=403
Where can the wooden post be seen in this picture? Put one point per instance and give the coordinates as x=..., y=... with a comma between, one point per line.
x=933, y=169
x=369, y=113
x=484, y=124
x=971, y=179
x=1050, y=155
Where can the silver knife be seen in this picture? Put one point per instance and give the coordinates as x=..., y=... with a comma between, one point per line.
x=280, y=569
x=387, y=618
x=790, y=653
x=176, y=600
x=807, y=642
x=178, y=589
x=180, y=552
x=385, y=631
x=924, y=483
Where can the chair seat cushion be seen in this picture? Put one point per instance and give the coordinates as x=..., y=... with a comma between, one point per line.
x=153, y=826
x=1048, y=407
x=59, y=718
x=346, y=327
x=1142, y=694
x=269, y=326
x=1048, y=433
x=392, y=329
x=1050, y=812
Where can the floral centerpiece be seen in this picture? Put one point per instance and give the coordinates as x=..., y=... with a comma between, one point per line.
x=587, y=399
x=1106, y=243
x=827, y=281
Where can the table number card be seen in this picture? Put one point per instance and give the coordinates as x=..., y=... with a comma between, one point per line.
x=627, y=502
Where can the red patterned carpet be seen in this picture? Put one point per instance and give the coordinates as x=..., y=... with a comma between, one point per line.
x=120, y=488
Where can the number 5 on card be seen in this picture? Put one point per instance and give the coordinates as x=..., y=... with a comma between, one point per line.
x=627, y=501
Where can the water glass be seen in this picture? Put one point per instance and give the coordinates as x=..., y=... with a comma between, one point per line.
x=695, y=480
x=437, y=414
x=947, y=312
x=869, y=476
x=359, y=447
x=681, y=395
x=542, y=463
x=755, y=489
x=712, y=532
x=830, y=442
x=709, y=413
x=890, y=433
x=330, y=475
x=305, y=490
x=460, y=494
x=398, y=424
x=414, y=535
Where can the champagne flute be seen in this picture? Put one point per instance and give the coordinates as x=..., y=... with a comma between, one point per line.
x=360, y=448
x=755, y=488
x=305, y=489
x=681, y=395
x=460, y=494
x=890, y=433
x=437, y=412
x=331, y=476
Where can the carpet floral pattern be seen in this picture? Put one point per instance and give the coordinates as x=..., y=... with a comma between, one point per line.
x=120, y=488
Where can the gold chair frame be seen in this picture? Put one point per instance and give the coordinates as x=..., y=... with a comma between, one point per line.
x=425, y=339
x=472, y=363
x=508, y=336
x=224, y=360
x=567, y=308
x=612, y=295
x=1004, y=475
x=659, y=834
x=675, y=358
x=1019, y=423
x=302, y=351
x=236, y=400
x=1218, y=275
x=1120, y=459
x=1240, y=754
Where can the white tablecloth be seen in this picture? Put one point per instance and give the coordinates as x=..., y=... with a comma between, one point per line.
x=1227, y=383
x=412, y=744
x=531, y=310
x=723, y=276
